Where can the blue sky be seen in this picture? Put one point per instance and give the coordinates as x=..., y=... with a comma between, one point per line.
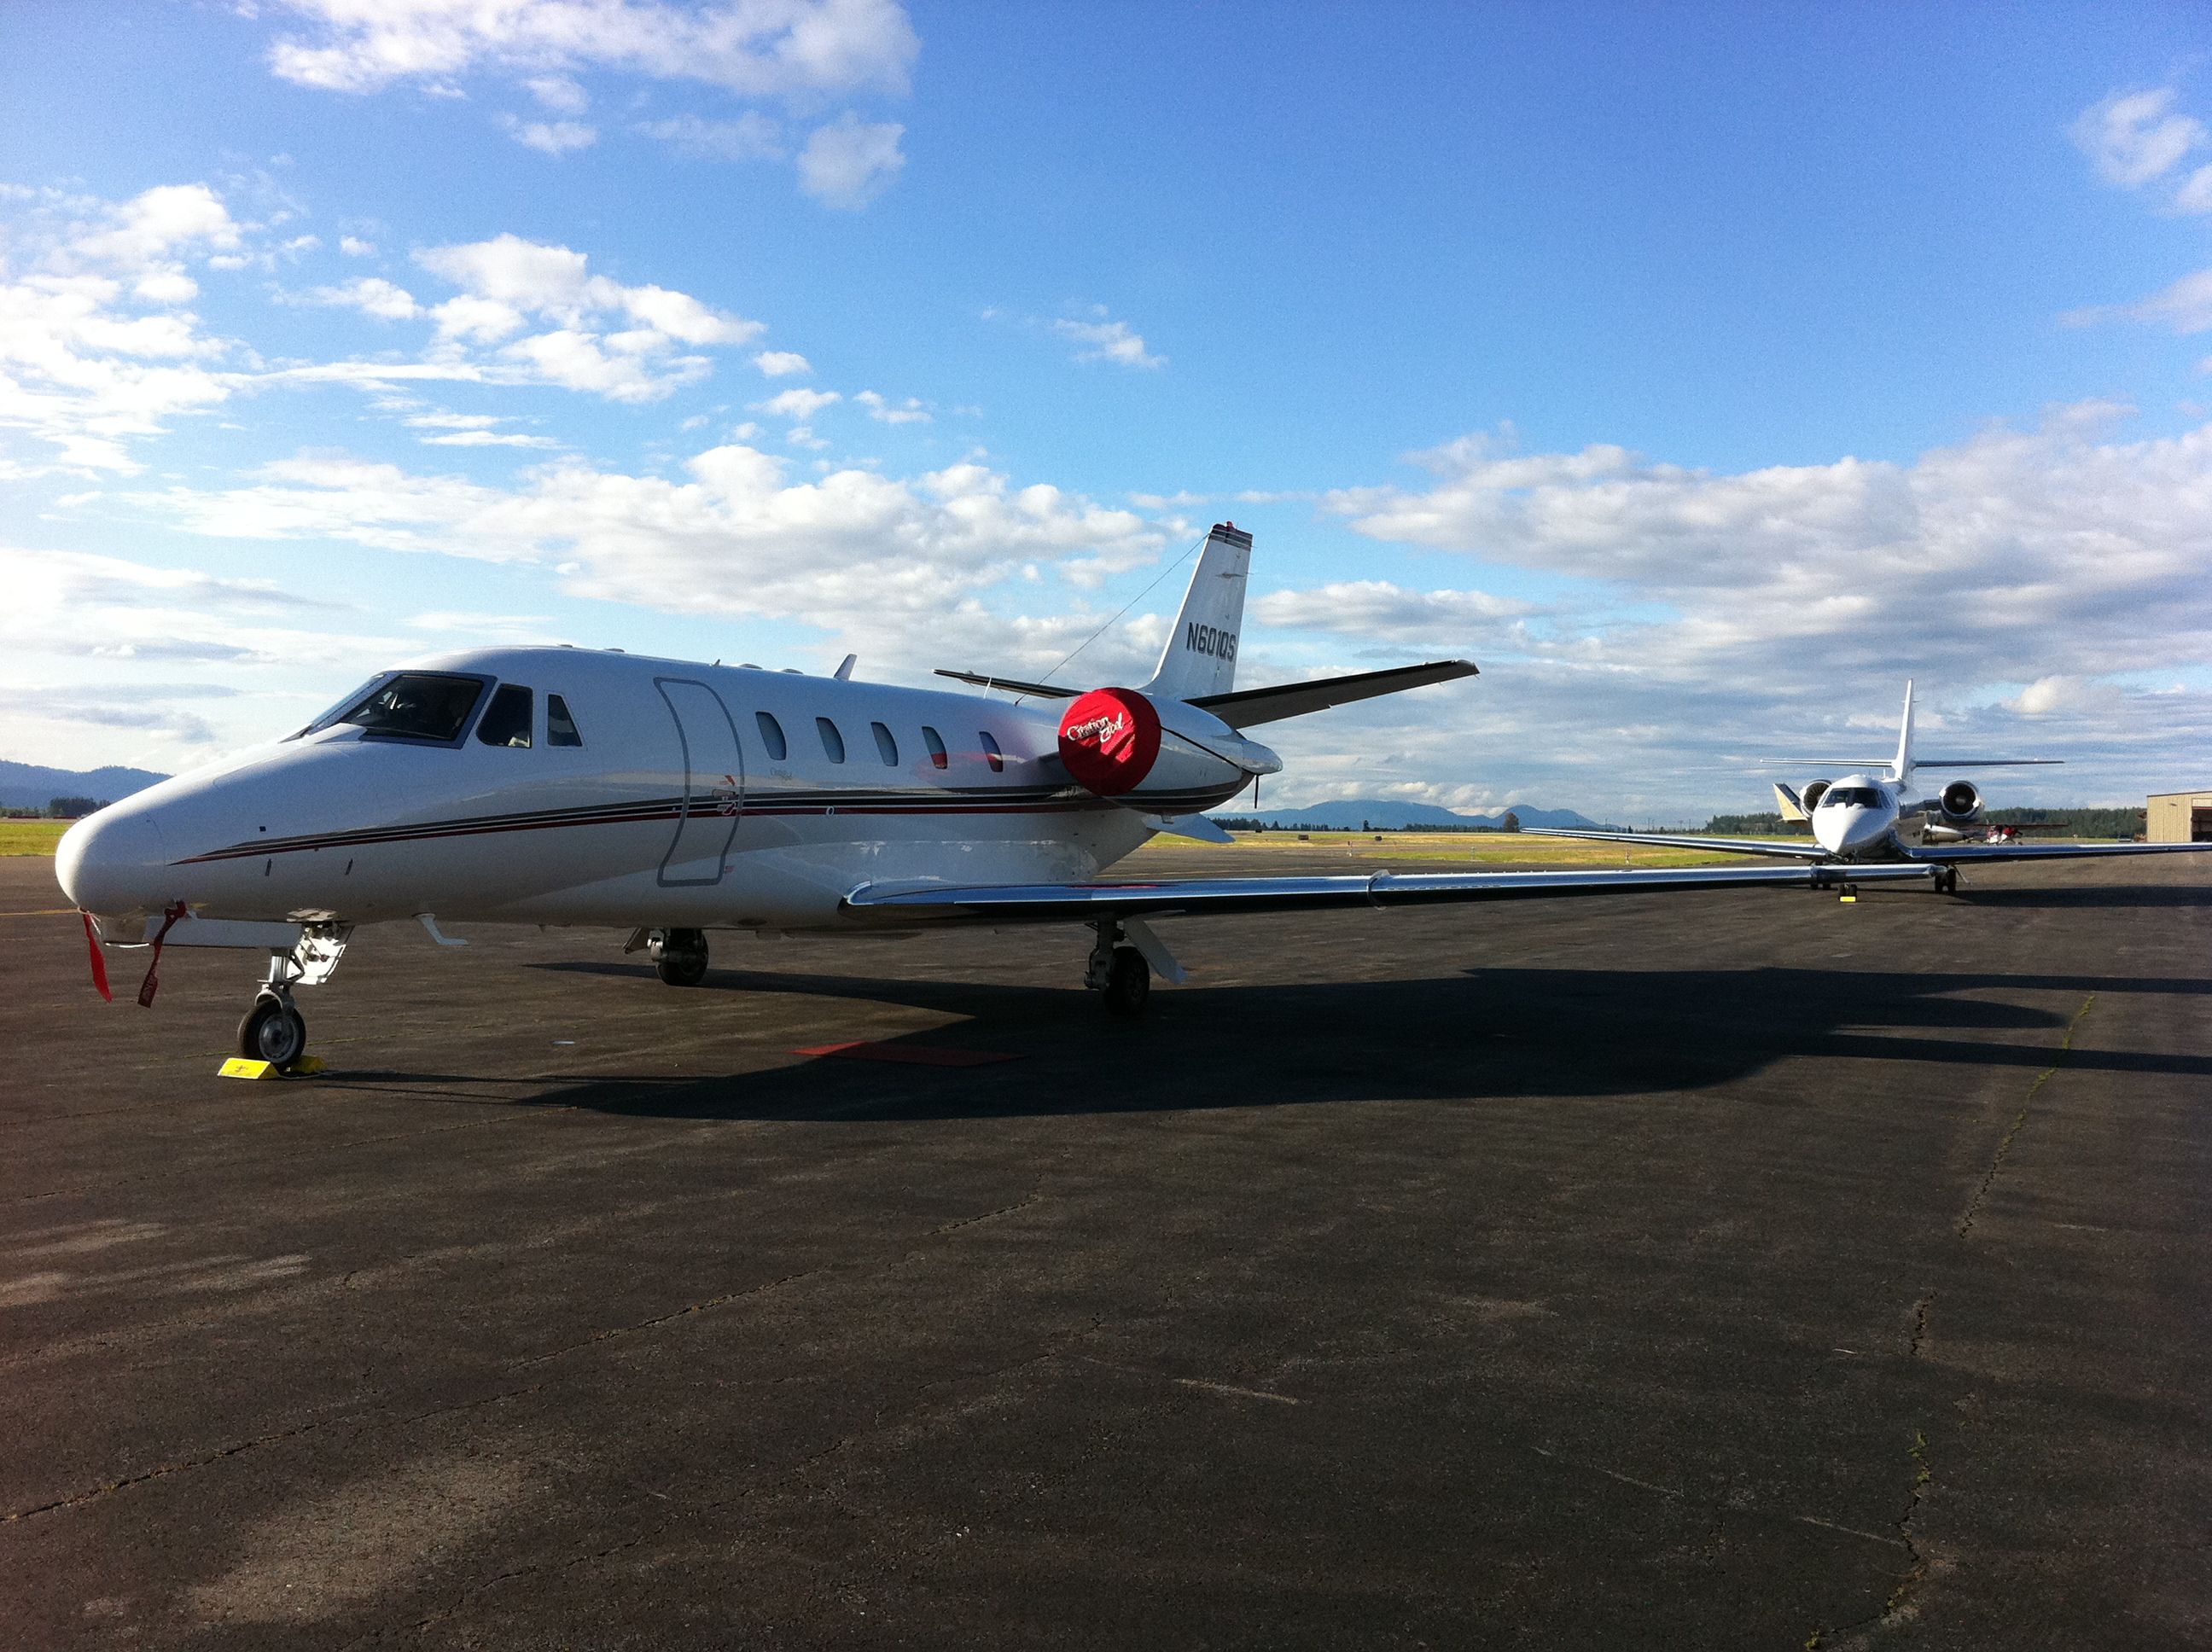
x=1702, y=374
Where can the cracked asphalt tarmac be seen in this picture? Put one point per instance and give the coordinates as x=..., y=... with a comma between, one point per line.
x=1754, y=1270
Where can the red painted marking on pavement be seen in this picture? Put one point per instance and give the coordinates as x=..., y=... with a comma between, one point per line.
x=919, y=1055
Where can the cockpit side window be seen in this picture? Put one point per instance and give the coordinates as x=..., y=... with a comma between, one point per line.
x=416, y=706
x=507, y=720
x=560, y=727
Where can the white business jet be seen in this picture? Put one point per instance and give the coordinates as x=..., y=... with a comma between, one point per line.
x=664, y=798
x=1870, y=819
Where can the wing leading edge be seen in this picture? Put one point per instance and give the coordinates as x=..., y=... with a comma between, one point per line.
x=1011, y=904
x=1953, y=855
x=1807, y=850
x=1924, y=854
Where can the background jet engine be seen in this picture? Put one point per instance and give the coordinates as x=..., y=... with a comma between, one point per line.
x=1811, y=796
x=1156, y=755
x=1960, y=804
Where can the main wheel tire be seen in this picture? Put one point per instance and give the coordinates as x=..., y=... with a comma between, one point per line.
x=274, y=1032
x=682, y=960
x=1129, y=982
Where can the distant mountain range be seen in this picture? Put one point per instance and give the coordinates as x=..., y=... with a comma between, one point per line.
x=1382, y=815
x=26, y=785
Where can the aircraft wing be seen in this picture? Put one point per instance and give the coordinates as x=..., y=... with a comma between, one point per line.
x=1013, y=903
x=1807, y=850
x=1954, y=855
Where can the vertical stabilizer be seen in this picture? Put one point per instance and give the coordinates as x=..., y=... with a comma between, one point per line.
x=1901, y=768
x=1200, y=657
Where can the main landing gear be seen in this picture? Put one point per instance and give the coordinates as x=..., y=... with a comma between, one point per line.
x=679, y=956
x=1947, y=880
x=274, y=1030
x=1118, y=972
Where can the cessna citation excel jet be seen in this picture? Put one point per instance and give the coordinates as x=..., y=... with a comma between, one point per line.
x=664, y=800
x=1867, y=819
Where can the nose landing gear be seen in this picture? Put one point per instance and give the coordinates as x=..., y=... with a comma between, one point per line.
x=1118, y=972
x=1947, y=880
x=274, y=1030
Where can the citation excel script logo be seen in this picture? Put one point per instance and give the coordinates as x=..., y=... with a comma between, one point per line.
x=1109, y=739
x=1206, y=639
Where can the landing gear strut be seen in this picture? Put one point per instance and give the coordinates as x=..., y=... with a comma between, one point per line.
x=1118, y=972
x=679, y=956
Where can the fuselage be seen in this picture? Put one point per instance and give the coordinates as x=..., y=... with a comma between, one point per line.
x=628, y=791
x=1866, y=818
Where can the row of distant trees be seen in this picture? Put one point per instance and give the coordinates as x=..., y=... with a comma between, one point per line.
x=59, y=809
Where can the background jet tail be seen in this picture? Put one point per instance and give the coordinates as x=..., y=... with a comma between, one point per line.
x=1901, y=766
x=1201, y=656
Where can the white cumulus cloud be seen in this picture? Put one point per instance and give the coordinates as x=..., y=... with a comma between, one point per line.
x=850, y=161
x=1108, y=340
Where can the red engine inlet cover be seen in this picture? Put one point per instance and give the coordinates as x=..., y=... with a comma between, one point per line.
x=1109, y=739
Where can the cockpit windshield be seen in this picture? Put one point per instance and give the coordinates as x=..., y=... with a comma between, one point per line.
x=1863, y=797
x=414, y=706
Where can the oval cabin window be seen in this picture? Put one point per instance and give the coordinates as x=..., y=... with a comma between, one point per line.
x=886, y=747
x=771, y=736
x=992, y=755
x=935, y=742
x=833, y=743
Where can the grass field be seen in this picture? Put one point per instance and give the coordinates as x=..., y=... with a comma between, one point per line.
x=31, y=836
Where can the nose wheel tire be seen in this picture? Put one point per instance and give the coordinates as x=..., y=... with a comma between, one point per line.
x=680, y=957
x=273, y=1031
x=1129, y=982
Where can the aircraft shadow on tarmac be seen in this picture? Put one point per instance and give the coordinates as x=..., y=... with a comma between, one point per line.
x=1479, y=1033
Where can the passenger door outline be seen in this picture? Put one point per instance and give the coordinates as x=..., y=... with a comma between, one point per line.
x=714, y=795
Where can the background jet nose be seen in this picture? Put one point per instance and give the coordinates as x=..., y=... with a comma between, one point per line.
x=114, y=862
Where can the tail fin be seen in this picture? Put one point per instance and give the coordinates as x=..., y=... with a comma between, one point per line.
x=1901, y=768
x=1200, y=657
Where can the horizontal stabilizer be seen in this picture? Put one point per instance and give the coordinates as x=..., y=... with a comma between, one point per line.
x=1988, y=762
x=1248, y=707
x=1872, y=765
x=1012, y=685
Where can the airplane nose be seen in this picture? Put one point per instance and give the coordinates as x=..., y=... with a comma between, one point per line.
x=114, y=862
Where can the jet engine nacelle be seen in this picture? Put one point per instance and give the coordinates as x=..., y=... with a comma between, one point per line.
x=1809, y=798
x=1155, y=755
x=1960, y=804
